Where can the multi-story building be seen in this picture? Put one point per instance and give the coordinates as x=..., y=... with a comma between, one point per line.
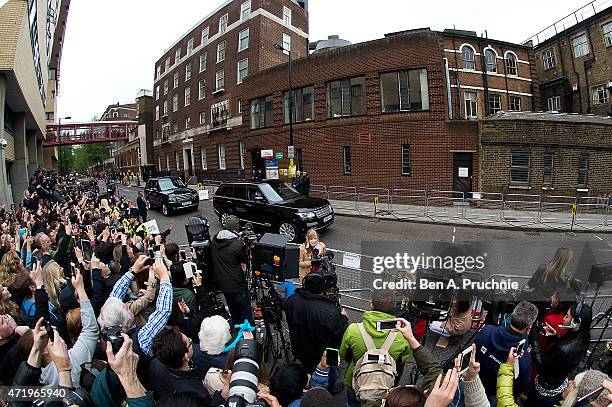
x=198, y=86
x=118, y=112
x=31, y=40
x=573, y=58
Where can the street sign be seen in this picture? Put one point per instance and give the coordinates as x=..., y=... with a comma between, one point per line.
x=278, y=155
x=351, y=260
x=203, y=194
x=200, y=186
x=290, y=152
x=267, y=153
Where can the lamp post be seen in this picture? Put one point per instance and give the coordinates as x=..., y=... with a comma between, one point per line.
x=281, y=48
x=59, y=133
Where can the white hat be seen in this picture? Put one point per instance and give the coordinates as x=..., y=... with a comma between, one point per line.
x=214, y=334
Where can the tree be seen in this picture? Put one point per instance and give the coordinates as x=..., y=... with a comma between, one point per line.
x=65, y=159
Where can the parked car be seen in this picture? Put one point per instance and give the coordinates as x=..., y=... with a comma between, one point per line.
x=274, y=206
x=170, y=194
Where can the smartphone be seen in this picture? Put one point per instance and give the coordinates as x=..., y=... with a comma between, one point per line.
x=156, y=250
x=149, y=262
x=182, y=255
x=189, y=269
x=333, y=357
x=49, y=330
x=589, y=398
x=86, y=249
x=521, y=346
x=151, y=253
x=551, y=328
x=465, y=360
x=387, y=324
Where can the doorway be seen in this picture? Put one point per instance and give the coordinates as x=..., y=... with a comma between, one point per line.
x=258, y=164
x=188, y=161
x=462, y=173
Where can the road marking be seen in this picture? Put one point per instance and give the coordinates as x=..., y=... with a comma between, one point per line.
x=453, y=238
x=598, y=237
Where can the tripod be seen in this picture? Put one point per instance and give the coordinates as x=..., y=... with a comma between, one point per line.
x=608, y=315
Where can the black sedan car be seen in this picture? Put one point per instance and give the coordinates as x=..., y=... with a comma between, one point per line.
x=273, y=206
x=170, y=194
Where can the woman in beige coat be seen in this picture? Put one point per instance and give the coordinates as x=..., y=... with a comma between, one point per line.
x=308, y=249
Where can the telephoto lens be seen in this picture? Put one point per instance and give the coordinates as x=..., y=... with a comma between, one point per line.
x=245, y=374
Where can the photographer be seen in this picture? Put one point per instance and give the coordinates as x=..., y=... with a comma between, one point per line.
x=228, y=252
x=311, y=248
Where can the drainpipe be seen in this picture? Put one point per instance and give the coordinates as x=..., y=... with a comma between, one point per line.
x=485, y=83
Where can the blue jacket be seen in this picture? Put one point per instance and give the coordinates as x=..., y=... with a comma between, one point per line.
x=492, y=346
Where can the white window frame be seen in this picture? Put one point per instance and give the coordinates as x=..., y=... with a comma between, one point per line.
x=492, y=102
x=515, y=98
x=219, y=77
x=204, y=37
x=245, y=10
x=167, y=162
x=241, y=147
x=201, y=89
x=177, y=56
x=548, y=59
x=177, y=159
x=223, y=24
x=596, y=92
x=243, y=35
x=202, y=118
x=157, y=112
x=473, y=104
x=554, y=103
x=187, y=122
x=187, y=96
x=175, y=103
x=158, y=71
x=187, y=71
x=286, y=16
x=490, y=66
x=472, y=62
x=157, y=92
x=511, y=70
x=203, y=61
x=190, y=47
x=583, y=46
x=221, y=51
x=239, y=106
x=165, y=110
x=241, y=78
x=606, y=31
x=166, y=87
x=286, y=43
x=203, y=159
x=176, y=80
x=167, y=64
x=222, y=157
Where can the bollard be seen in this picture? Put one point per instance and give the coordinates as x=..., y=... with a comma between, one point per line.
x=375, y=205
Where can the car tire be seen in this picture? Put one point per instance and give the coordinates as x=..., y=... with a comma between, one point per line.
x=165, y=210
x=287, y=228
x=222, y=217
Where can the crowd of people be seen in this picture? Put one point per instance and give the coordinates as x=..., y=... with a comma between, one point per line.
x=93, y=303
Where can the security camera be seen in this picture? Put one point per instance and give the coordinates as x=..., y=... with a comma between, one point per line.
x=3, y=142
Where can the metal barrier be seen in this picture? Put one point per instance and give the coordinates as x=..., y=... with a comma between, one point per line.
x=445, y=204
x=490, y=207
x=373, y=200
x=408, y=203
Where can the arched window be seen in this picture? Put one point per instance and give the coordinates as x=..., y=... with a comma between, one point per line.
x=511, y=64
x=491, y=60
x=467, y=55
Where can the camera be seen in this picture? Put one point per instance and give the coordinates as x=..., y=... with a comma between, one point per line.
x=245, y=375
x=112, y=334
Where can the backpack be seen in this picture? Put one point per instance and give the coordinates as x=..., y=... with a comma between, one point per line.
x=375, y=372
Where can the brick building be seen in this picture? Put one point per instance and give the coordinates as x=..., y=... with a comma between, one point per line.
x=199, y=79
x=574, y=61
x=518, y=154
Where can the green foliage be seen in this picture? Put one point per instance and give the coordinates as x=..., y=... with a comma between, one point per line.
x=85, y=156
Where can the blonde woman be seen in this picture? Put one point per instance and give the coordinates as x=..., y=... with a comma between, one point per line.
x=52, y=276
x=311, y=248
x=9, y=267
x=548, y=278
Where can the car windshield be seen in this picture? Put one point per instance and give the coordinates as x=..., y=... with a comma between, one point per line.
x=170, y=183
x=279, y=192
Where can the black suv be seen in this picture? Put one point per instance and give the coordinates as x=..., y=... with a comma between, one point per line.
x=272, y=205
x=170, y=194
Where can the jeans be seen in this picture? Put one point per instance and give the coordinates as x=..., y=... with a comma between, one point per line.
x=239, y=305
x=351, y=398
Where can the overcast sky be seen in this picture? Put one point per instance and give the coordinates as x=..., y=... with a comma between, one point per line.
x=111, y=46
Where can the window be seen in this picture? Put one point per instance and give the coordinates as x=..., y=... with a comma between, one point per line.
x=203, y=157
x=299, y=159
x=245, y=10
x=548, y=164
x=203, y=57
x=471, y=105
x=177, y=56
x=346, y=97
x=405, y=159
x=165, y=108
x=491, y=60
x=583, y=170
x=187, y=122
x=519, y=166
x=156, y=112
x=204, y=38
x=157, y=92
x=580, y=46
x=548, y=58
x=190, y=47
x=221, y=51
x=201, y=89
x=165, y=87
x=219, y=113
x=303, y=105
x=554, y=103
x=239, y=106
x=404, y=91
x=346, y=155
x=167, y=162
x=511, y=64
x=223, y=24
x=167, y=66
x=158, y=71
x=467, y=56
x=220, y=79
x=177, y=158
x=222, y=156
x=159, y=162
x=241, y=148
x=515, y=103
x=600, y=95
x=175, y=126
x=243, y=70
x=494, y=104
x=261, y=113
x=243, y=40
x=175, y=103
x=607, y=33
x=286, y=44
x=176, y=80
x=286, y=16
x=115, y=114
x=202, y=118
x=187, y=71
x=187, y=96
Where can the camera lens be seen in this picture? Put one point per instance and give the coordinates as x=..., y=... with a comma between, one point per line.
x=245, y=372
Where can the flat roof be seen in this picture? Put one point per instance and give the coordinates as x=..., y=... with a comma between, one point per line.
x=552, y=117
